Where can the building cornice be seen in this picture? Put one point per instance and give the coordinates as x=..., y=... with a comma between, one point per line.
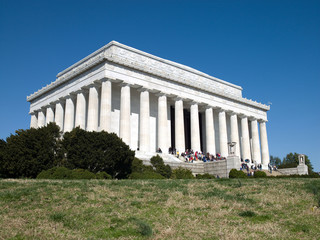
x=123, y=55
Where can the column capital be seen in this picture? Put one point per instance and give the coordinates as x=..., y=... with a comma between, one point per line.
x=43, y=108
x=94, y=84
x=241, y=115
x=111, y=79
x=99, y=81
x=177, y=98
x=143, y=89
x=50, y=105
x=220, y=110
x=194, y=103
x=80, y=90
x=70, y=96
x=104, y=80
x=60, y=100
x=216, y=108
x=34, y=112
x=125, y=84
x=161, y=94
x=262, y=120
x=251, y=118
x=202, y=107
x=232, y=113
x=207, y=106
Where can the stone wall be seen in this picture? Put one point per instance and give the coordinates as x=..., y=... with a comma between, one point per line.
x=219, y=168
x=302, y=169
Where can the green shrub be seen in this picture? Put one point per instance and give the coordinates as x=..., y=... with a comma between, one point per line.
x=234, y=173
x=160, y=167
x=28, y=152
x=96, y=152
x=141, y=171
x=55, y=173
x=103, y=175
x=313, y=175
x=138, y=166
x=205, y=176
x=65, y=173
x=145, y=175
x=182, y=173
x=260, y=174
x=82, y=174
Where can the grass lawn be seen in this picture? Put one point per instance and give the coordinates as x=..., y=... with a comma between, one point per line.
x=160, y=209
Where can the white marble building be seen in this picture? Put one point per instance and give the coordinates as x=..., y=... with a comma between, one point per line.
x=152, y=103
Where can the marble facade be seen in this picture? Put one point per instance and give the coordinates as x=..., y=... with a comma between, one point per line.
x=153, y=103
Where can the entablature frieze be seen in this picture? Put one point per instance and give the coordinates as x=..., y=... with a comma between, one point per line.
x=138, y=60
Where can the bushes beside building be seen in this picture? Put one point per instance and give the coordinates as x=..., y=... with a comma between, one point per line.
x=29, y=152
x=158, y=170
x=234, y=173
x=260, y=174
x=65, y=173
x=96, y=152
x=141, y=171
x=160, y=167
x=182, y=173
x=205, y=176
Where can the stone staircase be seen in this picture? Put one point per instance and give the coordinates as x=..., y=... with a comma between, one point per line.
x=167, y=158
x=274, y=173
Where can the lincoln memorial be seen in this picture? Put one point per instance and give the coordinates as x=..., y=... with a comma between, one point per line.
x=153, y=103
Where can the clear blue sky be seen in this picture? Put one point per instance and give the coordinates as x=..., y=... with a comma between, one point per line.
x=270, y=48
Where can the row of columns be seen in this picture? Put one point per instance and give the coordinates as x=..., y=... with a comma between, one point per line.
x=74, y=115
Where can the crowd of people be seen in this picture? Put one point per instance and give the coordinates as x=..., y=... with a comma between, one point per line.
x=254, y=167
x=190, y=156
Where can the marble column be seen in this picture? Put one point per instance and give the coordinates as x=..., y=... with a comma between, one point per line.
x=105, y=109
x=81, y=110
x=49, y=114
x=59, y=116
x=264, y=144
x=163, y=123
x=223, y=137
x=235, y=132
x=41, y=119
x=69, y=114
x=256, y=155
x=125, y=110
x=195, y=127
x=210, y=133
x=144, y=121
x=179, y=126
x=246, y=154
x=34, y=120
x=93, y=108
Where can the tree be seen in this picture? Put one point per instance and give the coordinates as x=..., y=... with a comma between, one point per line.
x=28, y=152
x=3, y=145
x=141, y=171
x=275, y=161
x=182, y=173
x=292, y=160
x=97, y=152
x=158, y=164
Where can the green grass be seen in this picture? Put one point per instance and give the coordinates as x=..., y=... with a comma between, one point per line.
x=160, y=209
